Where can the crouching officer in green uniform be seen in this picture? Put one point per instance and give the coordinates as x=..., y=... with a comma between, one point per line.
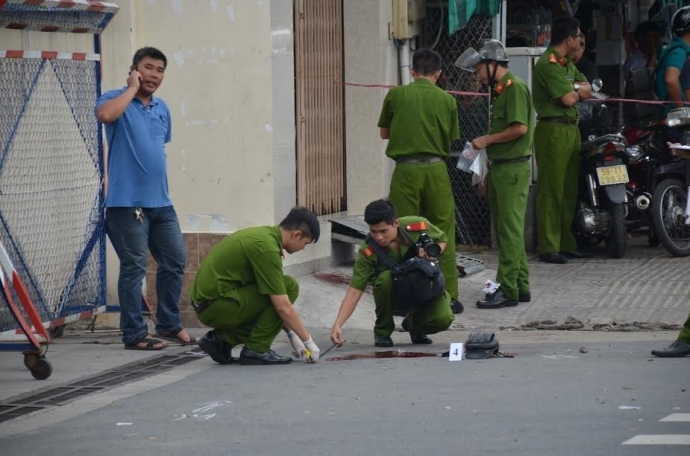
x=241, y=292
x=420, y=120
x=385, y=229
x=556, y=88
x=509, y=149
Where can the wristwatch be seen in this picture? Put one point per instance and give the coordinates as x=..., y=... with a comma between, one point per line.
x=576, y=86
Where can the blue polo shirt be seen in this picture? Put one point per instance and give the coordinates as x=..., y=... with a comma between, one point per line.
x=675, y=55
x=137, y=163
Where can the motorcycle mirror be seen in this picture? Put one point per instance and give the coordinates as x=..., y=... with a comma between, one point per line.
x=597, y=84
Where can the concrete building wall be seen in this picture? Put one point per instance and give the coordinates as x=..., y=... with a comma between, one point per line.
x=230, y=88
x=370, y=58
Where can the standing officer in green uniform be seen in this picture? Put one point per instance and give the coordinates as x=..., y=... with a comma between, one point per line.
x=241, y=292
x=420, y=120
x=556, y=89
x=508, y=146
x=385, y=227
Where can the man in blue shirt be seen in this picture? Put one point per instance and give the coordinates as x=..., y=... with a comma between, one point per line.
x=671, y=62
x=647, y=37
x=139, y=214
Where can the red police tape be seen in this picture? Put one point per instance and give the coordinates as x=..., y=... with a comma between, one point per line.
x=383, y=86
x=484, y=94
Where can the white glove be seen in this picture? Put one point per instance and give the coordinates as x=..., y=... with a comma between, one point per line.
x=297, y=345
x=311, y=346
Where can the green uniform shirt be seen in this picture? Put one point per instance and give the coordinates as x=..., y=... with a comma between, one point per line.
x=368, y=267
x=513, y=104
x=553, y=77
x=248, y=256
x=422, y=118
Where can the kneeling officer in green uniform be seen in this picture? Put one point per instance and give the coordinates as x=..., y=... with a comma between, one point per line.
x=394, y=237
x=509, y=149
x=241, y=292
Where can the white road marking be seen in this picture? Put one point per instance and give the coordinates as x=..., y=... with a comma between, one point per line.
x=676, y=417
x=667, y=439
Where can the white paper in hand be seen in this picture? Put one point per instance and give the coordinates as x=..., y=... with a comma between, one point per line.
x=456, y=352
x=480, y=167
x=678, y=146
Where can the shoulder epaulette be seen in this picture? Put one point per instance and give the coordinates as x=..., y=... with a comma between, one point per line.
x=499, y=87
x=419, y=226
x=369, y=251
x=560, y=60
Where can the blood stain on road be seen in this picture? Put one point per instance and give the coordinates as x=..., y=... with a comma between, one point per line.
x=383, y=355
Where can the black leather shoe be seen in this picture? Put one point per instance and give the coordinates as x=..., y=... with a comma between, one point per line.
x=677, y=349
x=250, y=357
x=216, y=347
x=419, y=339
x=522, y=297
x=383, y=341
x=553, y=258
x=496, y=301
x=456, y=306
x=574, y=255
x=525, y=297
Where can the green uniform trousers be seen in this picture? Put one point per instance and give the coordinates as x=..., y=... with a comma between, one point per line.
x=435, y=318
x=247, y=316
x=557, y=150
x=424, y=190
x=508, y=191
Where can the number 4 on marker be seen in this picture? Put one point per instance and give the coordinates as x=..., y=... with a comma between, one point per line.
x=455, y=352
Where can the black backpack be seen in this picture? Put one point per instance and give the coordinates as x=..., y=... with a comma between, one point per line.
x=639, y=85
x=417, y=282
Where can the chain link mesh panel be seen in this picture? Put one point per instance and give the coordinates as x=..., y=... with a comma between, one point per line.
x=472, y=215
x=53, y=16
x=50, y=184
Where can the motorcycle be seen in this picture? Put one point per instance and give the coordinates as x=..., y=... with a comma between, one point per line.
x=646, y=133
x=644, y=151
x=670, y=208
x=601, y=210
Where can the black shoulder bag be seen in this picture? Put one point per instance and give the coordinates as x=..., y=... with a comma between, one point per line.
x=417, y=282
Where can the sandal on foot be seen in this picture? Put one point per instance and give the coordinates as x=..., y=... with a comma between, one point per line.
x=150, y=344
x=172, y=336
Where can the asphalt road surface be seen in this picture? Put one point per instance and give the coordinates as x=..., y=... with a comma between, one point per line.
x=613, y=399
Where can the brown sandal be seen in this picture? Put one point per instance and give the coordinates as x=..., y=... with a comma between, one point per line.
x=172, y=336
x=150, y=344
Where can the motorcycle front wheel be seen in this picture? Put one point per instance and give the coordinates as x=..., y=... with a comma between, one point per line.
x=617, y=238
x=668, y=217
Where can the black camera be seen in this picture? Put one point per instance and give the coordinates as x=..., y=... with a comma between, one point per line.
x=431, y=248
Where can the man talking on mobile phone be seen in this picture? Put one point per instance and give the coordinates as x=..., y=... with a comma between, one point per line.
x=139, y=214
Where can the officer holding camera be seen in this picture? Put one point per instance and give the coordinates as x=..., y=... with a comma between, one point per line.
x=508, y=147
x=398, y=239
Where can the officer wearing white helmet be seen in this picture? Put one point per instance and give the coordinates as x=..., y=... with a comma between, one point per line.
x=508, y=146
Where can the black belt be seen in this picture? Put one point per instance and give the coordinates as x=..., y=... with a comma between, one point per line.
x=509, y=160
x=418, y=161
x=200, y=306
x=561, y=120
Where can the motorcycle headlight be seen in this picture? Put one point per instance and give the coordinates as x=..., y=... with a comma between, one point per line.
x=633, y=152
x=676, y=117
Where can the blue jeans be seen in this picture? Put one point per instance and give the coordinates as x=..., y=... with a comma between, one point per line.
x=158, y=231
